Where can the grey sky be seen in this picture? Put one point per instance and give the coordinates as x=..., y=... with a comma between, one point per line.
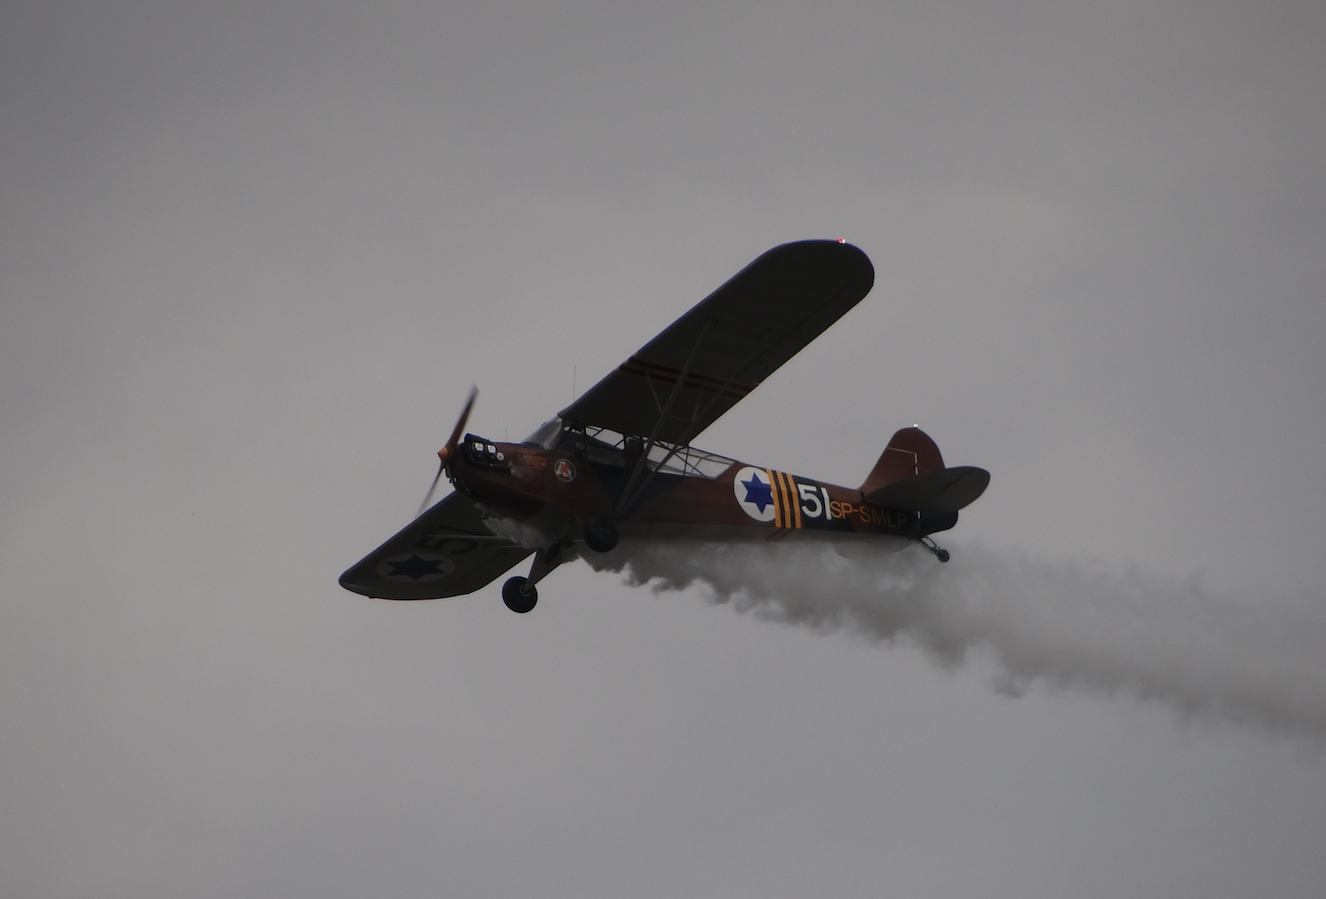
x=252, y=256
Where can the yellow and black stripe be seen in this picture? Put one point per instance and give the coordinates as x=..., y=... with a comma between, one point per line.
x=787, y=508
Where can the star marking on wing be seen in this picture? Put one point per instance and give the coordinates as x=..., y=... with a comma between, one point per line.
x=414, y=568
x=758, y=492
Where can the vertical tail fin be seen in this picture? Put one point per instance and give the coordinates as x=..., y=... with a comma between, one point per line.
x=910, y=452
x=910, y=474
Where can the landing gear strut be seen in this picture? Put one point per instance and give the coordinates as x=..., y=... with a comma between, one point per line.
x=940, y=553
x=519, y=593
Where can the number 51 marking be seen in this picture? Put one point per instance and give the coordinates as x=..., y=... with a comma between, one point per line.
x=811, y=505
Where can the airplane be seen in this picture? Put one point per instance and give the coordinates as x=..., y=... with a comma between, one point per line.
x=618, y=462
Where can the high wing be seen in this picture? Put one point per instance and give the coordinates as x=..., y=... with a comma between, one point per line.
x=680, y=382
x=446, y=551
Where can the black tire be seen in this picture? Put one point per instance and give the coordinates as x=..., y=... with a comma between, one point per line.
x=517, y=597
x=942, y=555
x=600, y=535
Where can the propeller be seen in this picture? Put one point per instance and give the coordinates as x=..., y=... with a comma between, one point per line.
x=447, y=453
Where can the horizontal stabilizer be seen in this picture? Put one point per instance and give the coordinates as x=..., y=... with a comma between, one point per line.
x=935, y=492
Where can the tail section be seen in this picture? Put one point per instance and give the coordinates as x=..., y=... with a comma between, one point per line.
x=910, y=474
x=910, y=452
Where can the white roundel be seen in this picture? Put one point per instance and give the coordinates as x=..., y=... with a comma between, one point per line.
x=754, y=493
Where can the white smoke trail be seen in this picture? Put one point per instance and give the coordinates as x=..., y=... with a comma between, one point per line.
x=1146, y=635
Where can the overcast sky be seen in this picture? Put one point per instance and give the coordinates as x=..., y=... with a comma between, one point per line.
x=253, y=255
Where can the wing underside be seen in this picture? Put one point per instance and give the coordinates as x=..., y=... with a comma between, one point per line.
x=447, y=551
x=705, y=362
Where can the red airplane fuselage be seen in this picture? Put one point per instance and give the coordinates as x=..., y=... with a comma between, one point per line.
x=557, y=490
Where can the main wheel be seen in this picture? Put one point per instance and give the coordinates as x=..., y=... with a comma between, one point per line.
x=600, y=535
x=517, y=596
x=942, y=555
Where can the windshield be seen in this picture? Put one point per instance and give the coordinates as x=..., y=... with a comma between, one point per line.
x=545, y=436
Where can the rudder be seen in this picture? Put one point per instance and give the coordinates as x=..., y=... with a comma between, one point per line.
x=910, y=452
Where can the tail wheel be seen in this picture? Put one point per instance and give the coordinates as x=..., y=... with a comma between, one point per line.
x=939, y=552
x=600, y=535
x=519, y=597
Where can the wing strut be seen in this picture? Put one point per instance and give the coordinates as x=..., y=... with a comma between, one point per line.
x=663, y=415
x=690, y=433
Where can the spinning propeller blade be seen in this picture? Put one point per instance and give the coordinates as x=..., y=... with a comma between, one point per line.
x=428, y=497
x=448, y=452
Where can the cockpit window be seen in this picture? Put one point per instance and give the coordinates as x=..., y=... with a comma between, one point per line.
x=545, y=436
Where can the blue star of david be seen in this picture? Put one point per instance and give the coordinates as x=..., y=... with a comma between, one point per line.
x=758, y=492
x=414, y=568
